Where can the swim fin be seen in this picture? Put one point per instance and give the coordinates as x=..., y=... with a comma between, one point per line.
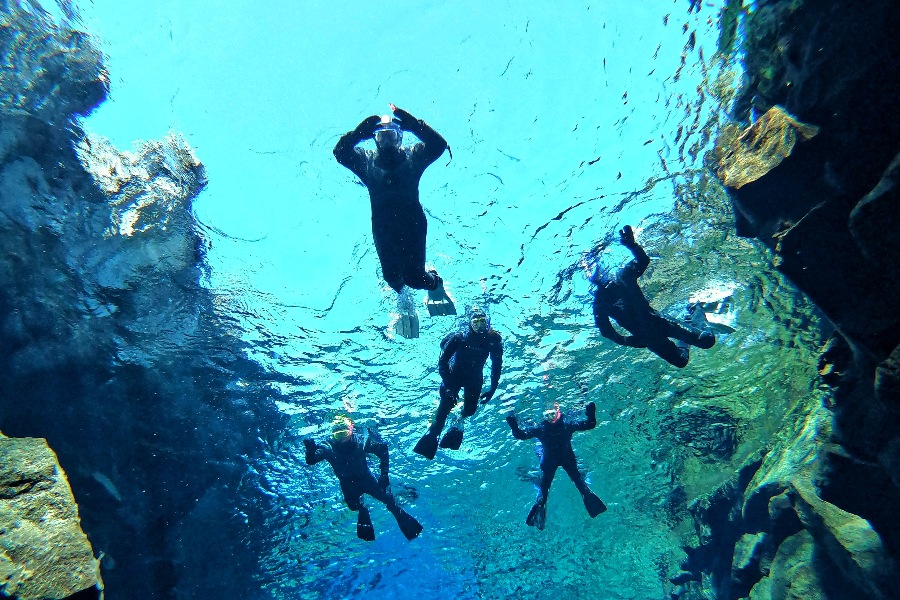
x=452, y=440
x=593, y=504
x=439, y=303
x=427, y=446
x=408, y=524
x=407, y=325
x=364, y=529
x=538, y=516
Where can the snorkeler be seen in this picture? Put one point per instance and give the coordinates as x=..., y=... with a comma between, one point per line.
x=461, y=367
x=619, y=297
x=346, y=453
x=555, y=437
x=391, y=173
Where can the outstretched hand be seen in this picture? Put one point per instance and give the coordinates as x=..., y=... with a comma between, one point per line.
x=512, y=421
x=486, y=397
x=591, y=410
x=626, y=236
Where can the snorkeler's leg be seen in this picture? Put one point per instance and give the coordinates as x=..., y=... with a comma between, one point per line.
x=592, y=502
x=677, y=355
x=428, y=444
x=411, y=242
x=410, y=527
x=695, y=331
x=389, y=254
x=537, y=517
x=353, y=499
x=453, y=438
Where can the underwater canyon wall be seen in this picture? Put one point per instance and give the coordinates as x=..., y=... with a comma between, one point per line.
x=810, y=159
x=110, y=346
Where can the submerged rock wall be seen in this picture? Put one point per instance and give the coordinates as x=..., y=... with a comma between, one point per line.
x=110, y=347
x=811, y=516
x=43, y=551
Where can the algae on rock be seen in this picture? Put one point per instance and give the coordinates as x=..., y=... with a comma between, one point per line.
x=44, y=554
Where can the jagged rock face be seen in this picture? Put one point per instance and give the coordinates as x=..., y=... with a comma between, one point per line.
x=817, y=518
x=43, y=551
x=109, y=344
x=830, y=64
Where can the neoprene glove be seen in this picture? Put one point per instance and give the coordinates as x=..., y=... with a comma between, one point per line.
x=626, y=236
x=366, y=129
x=407, y=121
x=591, y=410
x=512, y=421
x=310, y=450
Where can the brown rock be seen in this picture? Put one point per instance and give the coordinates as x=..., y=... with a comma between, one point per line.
x=762, y=147
x=44, y=554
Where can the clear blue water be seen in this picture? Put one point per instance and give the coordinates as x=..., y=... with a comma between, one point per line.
x=566, y=123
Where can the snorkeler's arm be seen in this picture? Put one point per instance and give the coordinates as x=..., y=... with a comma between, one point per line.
x=636, y=267
x=447, y=353
x=314, y=452
x=434, y=143
x=518, y=432
x=346, y=152
x=601, y=320
x=590, y=422
x=496, y=350
x=377, y=446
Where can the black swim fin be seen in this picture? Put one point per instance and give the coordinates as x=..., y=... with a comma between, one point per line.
x=593, y=504
x=408, y=524
x=427, y=446
x=364, y=529
x=452, y=440
x=439, y=303
x=538, y=516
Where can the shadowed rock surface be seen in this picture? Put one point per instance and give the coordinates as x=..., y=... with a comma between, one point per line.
x=815, y=520
x=110, y=348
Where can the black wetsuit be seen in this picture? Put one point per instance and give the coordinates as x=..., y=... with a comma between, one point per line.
x=399, y=226
x=348, y=459
x=556, y=448
x=619, y=297
x=461, y=367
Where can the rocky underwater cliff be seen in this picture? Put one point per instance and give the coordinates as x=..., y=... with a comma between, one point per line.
x=113, y=350
x=810, y=158
x=110, y=347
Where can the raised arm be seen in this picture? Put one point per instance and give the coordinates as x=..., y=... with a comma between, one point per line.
x=315, y=453
x=636, y=267
x=346, y=152
x=591, y=412
x=377, y=446
x=433, y=142
x=518, y=432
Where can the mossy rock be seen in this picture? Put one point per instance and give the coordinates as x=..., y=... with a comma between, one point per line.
x=44, y=554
